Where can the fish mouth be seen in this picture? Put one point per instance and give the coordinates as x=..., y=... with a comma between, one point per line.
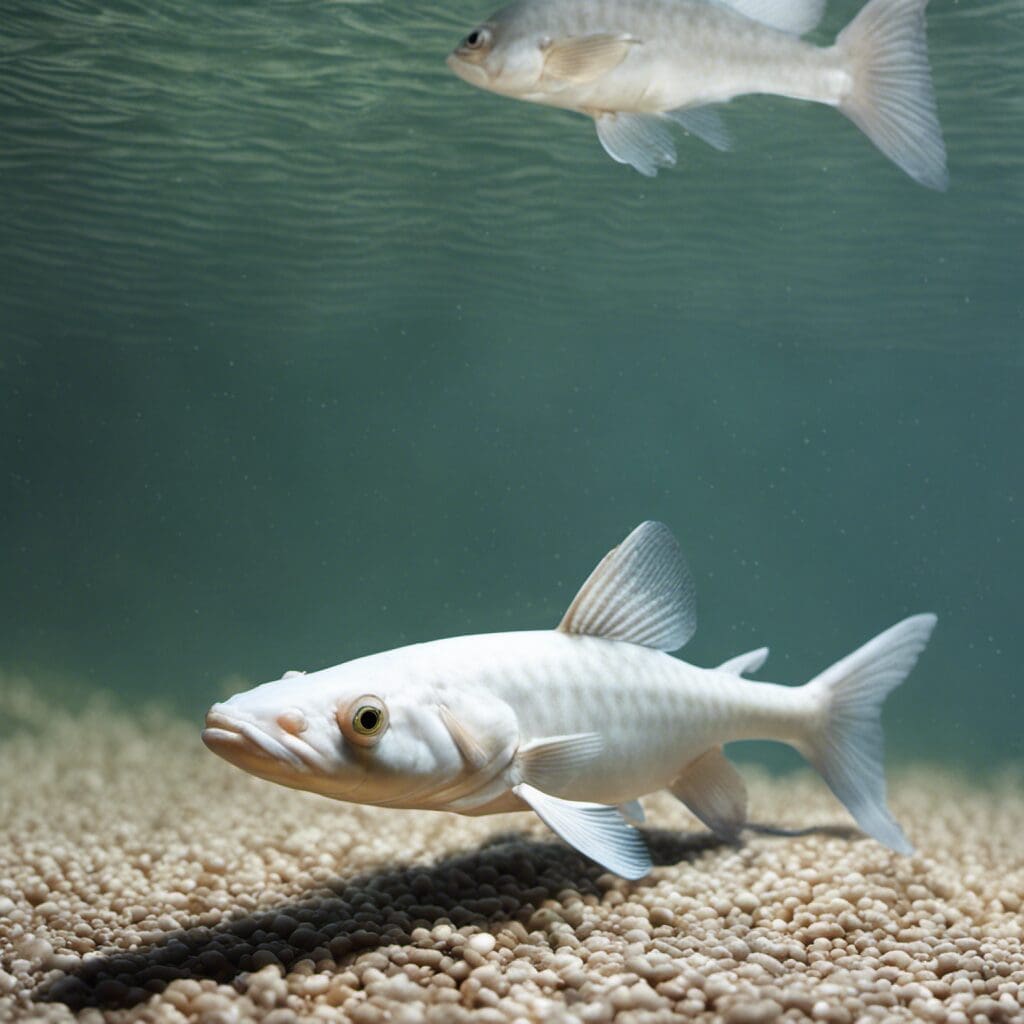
x=246, y=745
x=465, y=65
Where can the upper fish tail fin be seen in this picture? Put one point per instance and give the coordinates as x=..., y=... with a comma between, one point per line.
x=891, y=99
x=843, y=738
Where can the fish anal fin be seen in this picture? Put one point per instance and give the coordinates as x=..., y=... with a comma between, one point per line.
x=705, y=123
x=714, y=790
x=550, y=763
x=582, y=59
x=751, y=661
x=641, y=592
x=596, y=830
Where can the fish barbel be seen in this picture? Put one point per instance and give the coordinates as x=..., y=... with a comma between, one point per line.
x=637, y=66
x=577, y=722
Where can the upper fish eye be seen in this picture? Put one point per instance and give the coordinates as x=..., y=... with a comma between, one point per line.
x=477, y=38
x=364, y=720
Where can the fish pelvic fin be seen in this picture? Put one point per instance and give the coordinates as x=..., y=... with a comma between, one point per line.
x=643, y=141
x=891, y=99
x=843, y=737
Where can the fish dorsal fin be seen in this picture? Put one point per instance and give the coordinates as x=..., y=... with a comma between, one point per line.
x=795, y=16
x=712, y=788
x=641, y=591
x=744, y=663
x=594, y=829
x=582, y=59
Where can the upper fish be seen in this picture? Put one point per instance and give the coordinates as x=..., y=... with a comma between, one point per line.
x=637, y=66
x=576, y=722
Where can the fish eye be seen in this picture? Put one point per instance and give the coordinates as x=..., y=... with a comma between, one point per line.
x=477, y=39
x=368, y=720
x=364, y=720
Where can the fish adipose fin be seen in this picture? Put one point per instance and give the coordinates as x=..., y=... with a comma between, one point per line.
x=553, y=762
x=712, y=788
x=745, y=663
x=644, y=141
x=794, y=16
x=844, y=728
x=705, y=123
x=583, y=59
x=641, y=591
x=891, y=99
x=594, y=829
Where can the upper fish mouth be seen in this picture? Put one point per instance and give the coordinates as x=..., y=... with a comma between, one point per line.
x=236, y=739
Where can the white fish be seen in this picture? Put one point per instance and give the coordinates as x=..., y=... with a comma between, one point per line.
x=576, y=722
x=636, y=66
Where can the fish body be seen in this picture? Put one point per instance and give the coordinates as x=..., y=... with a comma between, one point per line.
x=576, y=723
x=637, y=65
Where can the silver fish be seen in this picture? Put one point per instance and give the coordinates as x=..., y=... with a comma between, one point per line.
x=576, y=722
x=637, y=66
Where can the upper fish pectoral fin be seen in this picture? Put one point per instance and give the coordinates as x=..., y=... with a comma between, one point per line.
x=582, y=59
x=641, y=591
x=744, y=663
x=550, y=763
x=705, y=123
x=594, y=829
x=712, y=788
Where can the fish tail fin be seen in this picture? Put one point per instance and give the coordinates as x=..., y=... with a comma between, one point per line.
x=891, y=99
x=843, y=727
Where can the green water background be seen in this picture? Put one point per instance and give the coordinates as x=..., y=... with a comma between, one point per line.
x=308, y=349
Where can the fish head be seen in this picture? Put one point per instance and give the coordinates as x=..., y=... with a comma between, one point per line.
x=504, y=54
x=369, y=731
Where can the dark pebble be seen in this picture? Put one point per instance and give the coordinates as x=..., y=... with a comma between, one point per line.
x=214, y=963
x=305, y=938
x=284, y=925
x=110, y=992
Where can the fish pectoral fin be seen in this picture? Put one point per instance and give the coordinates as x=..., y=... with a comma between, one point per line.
x=473, y=752
x=705, y=123
x=596, y=830
x=744, y=663
x=632, y=811
x=641, y=591
x=712, y=788
x=583, y=59
x=551, y=762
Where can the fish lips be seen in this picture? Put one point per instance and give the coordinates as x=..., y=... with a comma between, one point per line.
x=247, y=746
x=466, y=65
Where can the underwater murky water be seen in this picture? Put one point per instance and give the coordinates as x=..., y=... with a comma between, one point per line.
x=309, y=349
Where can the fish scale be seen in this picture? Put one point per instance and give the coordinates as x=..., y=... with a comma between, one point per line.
x=575, y=721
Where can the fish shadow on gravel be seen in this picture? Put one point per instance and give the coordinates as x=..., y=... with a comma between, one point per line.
x=505, y=879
